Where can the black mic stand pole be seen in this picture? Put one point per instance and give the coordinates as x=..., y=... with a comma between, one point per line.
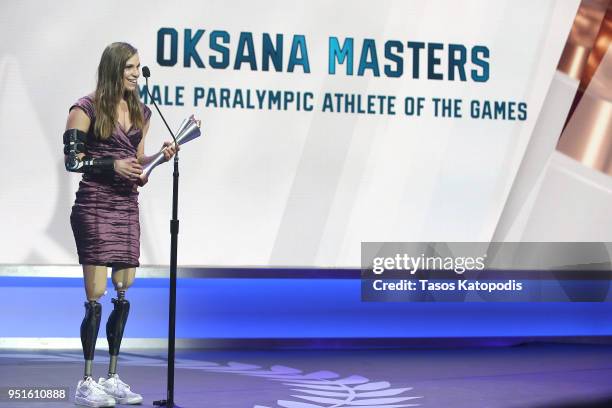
x=174, y=229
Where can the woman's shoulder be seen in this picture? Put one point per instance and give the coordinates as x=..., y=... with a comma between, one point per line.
x=86, y=104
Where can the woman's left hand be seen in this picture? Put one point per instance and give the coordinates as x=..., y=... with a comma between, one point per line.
x=169, y=149
x=142, y=180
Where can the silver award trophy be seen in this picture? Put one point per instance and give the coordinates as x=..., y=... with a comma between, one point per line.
x=189, y=130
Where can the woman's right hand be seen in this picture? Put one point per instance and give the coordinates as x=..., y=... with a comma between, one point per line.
x=128, y=168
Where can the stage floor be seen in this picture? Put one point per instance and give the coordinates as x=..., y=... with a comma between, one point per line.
x=537, y=375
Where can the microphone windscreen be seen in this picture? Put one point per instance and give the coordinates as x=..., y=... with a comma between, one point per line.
x=145, y=72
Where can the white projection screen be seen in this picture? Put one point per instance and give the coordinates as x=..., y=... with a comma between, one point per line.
x=282, y=187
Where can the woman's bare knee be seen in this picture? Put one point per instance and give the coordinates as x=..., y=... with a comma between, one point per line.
x=95, y=295
x=95, y=281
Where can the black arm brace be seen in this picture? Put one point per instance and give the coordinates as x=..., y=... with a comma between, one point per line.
x=74, y=144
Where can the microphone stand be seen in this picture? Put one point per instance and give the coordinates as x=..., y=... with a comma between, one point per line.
x=174, y=229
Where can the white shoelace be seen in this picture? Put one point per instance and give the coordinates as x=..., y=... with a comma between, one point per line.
x=94, y=386
x=116, y=377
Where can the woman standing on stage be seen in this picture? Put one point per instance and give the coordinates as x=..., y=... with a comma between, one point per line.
x=104, y=140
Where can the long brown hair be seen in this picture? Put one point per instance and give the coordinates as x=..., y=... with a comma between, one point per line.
x=109, y=90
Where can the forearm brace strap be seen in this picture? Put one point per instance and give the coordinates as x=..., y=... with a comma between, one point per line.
x=74, y=144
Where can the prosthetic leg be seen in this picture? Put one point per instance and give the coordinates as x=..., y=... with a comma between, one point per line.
x=114, y=329
x=88, y=393
x=113, y=385
x=89, y=333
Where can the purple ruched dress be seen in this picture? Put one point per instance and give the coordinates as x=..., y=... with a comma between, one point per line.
x=104, y=217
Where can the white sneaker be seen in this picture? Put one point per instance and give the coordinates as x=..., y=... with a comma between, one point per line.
x=90, y=394
x=119, y=390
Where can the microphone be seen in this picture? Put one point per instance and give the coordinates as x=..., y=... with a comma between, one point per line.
x=147, y=73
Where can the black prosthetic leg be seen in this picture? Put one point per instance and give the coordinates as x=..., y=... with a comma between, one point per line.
x=114, y=329
x=89, y=333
